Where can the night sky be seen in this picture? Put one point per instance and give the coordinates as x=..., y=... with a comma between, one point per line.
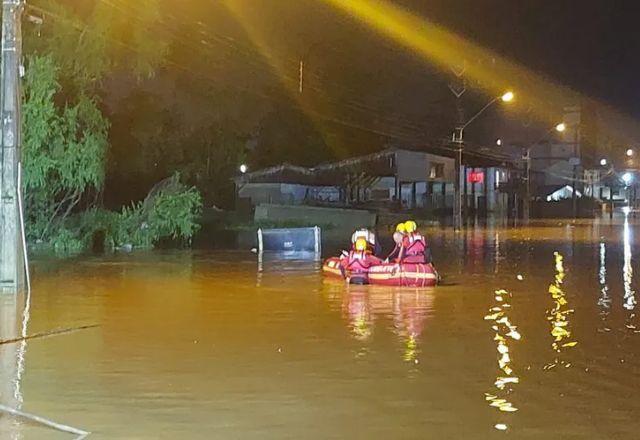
x=589, y=45
x=363, y=90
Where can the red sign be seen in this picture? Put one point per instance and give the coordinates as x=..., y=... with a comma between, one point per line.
x=476, y=177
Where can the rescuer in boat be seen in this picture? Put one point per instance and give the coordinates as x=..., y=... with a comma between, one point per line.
x=372, y=243
x=359, y=261
x=414, y=248
x=398, y=236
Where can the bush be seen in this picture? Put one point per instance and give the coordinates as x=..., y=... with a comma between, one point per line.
x=172, y=213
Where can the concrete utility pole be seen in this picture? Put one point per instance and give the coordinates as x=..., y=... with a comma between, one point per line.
x=526, y=207
x=11, y=258
x=458, y=88
x=577, y=166
x=458, y=141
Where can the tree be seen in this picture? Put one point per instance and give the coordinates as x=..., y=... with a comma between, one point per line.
x=64, y=148
x=66, y=133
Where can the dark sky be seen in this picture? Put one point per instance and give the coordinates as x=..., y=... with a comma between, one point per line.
x=363, y=78
x=590, y=45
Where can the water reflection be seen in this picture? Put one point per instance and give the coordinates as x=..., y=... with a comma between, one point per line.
x=497, y=257
x=12, y=311
x=558, y=316
x=627, y=270
x=505, y=332
x=410, y=315
x=366, y=309
x=604, y=300
x=357, y=309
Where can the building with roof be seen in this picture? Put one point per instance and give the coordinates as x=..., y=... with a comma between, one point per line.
x=394, y=179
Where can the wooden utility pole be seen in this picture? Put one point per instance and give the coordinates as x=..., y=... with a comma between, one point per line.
x=11, y=258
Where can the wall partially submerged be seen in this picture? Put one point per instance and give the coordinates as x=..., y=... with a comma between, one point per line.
x=311, y=216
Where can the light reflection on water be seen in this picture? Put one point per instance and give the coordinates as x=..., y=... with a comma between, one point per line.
x=627, y=271
x=505, y=332
x=558, y=317
x=13, y=318
x=201, y=345
x=367, y=307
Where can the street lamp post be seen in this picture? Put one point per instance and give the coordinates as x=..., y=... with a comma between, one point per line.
x=526, y=209
x=458, y=140
x=576, y=162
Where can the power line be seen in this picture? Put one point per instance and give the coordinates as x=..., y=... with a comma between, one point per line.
x=383, y=132
x=256, y=55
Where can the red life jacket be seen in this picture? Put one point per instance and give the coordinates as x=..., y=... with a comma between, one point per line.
x=414, y=244
x=415, y=247
x=360, y=262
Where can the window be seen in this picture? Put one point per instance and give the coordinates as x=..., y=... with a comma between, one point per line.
x=437, y=171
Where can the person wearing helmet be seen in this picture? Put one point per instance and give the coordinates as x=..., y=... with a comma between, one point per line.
x=414, y=247
x=398, y=236
x=370, y=238
x=359, y=261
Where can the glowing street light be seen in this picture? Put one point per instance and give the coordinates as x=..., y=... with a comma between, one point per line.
x=603, y=162
x=243, y=168
x=627, y=178
x=499, y=142
x=507, y=97
x=629, y=152
x=458, y=135
x=561, y=127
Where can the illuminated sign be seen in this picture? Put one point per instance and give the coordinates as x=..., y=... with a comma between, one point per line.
x=476, y=177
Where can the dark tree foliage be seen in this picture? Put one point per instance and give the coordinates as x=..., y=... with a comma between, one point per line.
x=66, y=132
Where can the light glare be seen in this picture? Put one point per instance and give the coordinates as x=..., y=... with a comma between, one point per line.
x=561, y=127
x=508, y=97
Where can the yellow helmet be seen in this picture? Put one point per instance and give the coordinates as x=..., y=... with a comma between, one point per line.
x=410, y=226
x=361, y=244
x=401, y=228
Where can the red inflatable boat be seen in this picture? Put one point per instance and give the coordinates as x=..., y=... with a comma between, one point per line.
x=388, y=274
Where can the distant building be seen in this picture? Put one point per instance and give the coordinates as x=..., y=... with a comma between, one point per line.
x=392, y=179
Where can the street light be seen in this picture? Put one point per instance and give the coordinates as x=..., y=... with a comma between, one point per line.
x=243, y=168
x=499, y=142
x=603, y=162
x=560, y=127
x=507, y=97
x=629, y=152
x=458, y=136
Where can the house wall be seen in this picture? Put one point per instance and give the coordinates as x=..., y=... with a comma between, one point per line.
x=284, y=193
x=311, y=216
x=496, y=200
x=415, y=166
x=550, y=164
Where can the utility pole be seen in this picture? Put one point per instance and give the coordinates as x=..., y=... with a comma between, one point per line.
x=458, y=88
x=11, y=258
x=458, y=141
x=574, y=114
x=526, y=208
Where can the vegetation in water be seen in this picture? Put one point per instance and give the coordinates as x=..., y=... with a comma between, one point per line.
x=66, y=141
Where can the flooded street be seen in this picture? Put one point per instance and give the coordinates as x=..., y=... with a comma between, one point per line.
x=533, y=335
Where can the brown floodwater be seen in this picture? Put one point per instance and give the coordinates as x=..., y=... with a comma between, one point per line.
x=533, y=335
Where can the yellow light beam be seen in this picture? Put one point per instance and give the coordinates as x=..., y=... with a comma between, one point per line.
x=250, y=19
x=541, y=96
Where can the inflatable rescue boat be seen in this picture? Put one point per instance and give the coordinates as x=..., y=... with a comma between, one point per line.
x=386, y=274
